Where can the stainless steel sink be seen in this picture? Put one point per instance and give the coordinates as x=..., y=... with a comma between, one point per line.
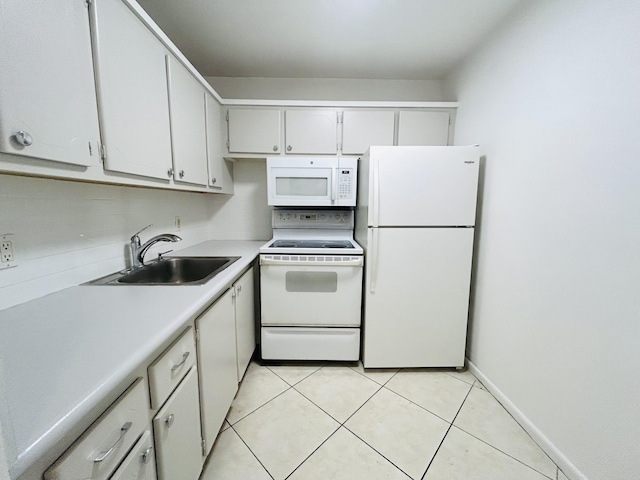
x=170, y=271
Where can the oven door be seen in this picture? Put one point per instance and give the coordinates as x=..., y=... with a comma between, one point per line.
x=311, y=290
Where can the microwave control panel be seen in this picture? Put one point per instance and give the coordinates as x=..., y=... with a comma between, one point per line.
x=345, y=183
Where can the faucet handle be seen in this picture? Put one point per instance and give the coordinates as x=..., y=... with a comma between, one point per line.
x=133, y=237
x=163, y=253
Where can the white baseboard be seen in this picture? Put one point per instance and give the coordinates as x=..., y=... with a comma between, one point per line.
x=568, y=468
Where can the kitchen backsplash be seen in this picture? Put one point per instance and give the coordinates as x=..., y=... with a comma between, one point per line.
x=67, y=233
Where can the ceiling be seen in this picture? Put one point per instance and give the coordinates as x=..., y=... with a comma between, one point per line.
x=366, y=39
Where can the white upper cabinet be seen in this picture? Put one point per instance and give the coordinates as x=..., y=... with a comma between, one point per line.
x=132, y=92
x=423, y=128
x=311, y=131
x=213, y=112
x=363, y=128
x=188, y=129
x=47, y=91
x=254, y=130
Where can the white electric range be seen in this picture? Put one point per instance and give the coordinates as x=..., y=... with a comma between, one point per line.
x=311, y=286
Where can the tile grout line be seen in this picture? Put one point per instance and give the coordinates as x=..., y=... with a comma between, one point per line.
x=292, y=384
x=341, y=423
x=252, y=452
x=314, y=451
x=505, y=453
x=375, y=450
x=426, y=409
x=525, y=432
x=447, y=432
x=289, y=387
x=381, y=384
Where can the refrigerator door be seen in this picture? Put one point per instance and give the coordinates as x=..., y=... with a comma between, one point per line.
x=422, y=186
x=416, y=297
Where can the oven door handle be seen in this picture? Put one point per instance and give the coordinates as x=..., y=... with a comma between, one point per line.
x=351, y=262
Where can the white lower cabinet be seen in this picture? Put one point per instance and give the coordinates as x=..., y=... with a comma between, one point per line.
x=217, y=365
x=176, y=430
x=140, y=464
x=245, y=321
x=97, y=453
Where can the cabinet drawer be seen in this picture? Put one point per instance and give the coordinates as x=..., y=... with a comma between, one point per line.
x=171, y=367
x=140, y=464
x=96, y=454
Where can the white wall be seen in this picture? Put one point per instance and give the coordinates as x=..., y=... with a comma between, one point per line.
x=67, y=233
x=326, y=89
x=554, y=101
x=245, y=215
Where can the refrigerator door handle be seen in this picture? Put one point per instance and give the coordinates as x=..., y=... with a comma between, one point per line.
x=373, y=258
x=376, y=191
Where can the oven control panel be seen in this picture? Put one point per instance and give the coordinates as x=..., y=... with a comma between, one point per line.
x=326, y=219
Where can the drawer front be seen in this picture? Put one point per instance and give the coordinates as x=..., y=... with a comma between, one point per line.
x=171, y=367
x=96, y=454
x=140, y=464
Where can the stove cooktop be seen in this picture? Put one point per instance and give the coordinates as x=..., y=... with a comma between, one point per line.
x=311, y=244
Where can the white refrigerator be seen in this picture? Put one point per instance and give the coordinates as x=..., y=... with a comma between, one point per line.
x=415, y=219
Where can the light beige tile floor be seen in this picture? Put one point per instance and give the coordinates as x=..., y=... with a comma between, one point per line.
x=341, y=421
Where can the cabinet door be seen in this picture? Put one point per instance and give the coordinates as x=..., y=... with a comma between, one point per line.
x=217, y=365
x=311, y=131
x=423, y=128
x=176, y=430
x=140, y=464
x=254, y=131
x=47, y=88
x=361, y=129
x=132, y=92
x=215, y=160
x=245, y=321
x=188, y=131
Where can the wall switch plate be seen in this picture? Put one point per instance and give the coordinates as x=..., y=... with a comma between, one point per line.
x=7, y=245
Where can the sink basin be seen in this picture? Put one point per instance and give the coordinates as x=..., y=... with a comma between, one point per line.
x=171, y=271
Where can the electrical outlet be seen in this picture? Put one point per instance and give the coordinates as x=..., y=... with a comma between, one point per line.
x=7, y=258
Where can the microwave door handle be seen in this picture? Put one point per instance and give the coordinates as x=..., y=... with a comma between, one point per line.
x=334, y=184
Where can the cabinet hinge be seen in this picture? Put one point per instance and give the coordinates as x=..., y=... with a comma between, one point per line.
x=234, y=293
x=87, y=3
x=103, y=152
x=227, y=144
x=227, y=115
x=340, y=117
x=90, y=149
x=196, y=334
x=204, y=448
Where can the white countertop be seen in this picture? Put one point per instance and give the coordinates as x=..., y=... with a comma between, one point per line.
x=62, y=355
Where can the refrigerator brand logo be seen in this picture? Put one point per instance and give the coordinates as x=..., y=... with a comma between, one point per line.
x=469, y=161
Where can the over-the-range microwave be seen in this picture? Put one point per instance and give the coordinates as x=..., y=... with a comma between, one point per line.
x=312, y=181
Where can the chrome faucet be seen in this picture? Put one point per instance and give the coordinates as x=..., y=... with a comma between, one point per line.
x=138, y=250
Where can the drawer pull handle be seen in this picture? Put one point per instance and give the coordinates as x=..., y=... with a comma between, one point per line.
x=146, y=455
x=125, y=428
x=185, y=355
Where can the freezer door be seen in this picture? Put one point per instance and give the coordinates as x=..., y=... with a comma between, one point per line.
x=416, y=297
x=423, y=186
